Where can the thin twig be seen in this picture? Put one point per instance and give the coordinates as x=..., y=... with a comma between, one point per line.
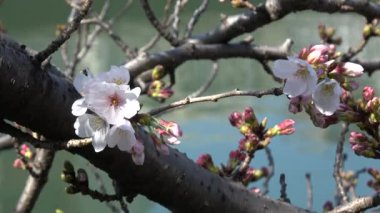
x=339, y=163
x=156, y=24
x=194, y=19
x=102, y=187
x=6, y=142
x=65, y=35
x=46, y=144
x=358, y=205
x=309, y=189
x=208, y=82
x=216, y=97
x=34, y=184
x=270, y=170
x=283, y=195
x=175, y=16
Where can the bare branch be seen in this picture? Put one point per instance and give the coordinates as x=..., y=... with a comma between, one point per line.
x=34, y=184
x=65, y=35
x=208, y=82
x=215, y=98
x=339, y=163
x=358, y=205
x=6, y=142
x=156, y=24
x=194, y=19
x=309, y=189
x=283, y=195
x=270, y=170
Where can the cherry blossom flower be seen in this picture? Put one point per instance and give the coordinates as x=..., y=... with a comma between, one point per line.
x=112, y=103
x=326, y=96
x=170, y=132
x=301, y=78
x=349, y=69
x=92, y=126
x=117, y=75
x=123, y=136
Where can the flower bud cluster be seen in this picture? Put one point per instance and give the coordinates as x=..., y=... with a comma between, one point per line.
x=26, y=154
x=162, y=132
x=364, y=146
x=158, y=89
x=375, y=182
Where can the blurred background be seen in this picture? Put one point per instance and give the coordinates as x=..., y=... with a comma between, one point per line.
x=205, y=125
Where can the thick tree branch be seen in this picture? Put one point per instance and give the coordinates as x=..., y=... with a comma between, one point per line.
x=42, y=102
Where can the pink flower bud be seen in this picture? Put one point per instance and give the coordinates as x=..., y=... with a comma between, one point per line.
x=286, y=127
x=368, y=93
x=235, y=119
x=19, y=164
x=205, y=160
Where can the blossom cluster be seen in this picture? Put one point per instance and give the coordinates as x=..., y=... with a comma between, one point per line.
x=315, y=80
x=157, y=88
x=26, y=154
x=103, y=111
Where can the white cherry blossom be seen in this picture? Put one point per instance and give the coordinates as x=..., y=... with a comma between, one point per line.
x=123, y=136
x=92, y=126
x=301, y=78
x=326, y=96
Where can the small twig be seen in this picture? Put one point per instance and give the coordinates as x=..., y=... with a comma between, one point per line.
x=215, y=98
x=6, y=142
x=175, y=17
x=46, y=144
x=269, y=71
x=353, y=52
x=309, y=189
x=156, y=24
x=270, y=170
x=194, y=19
x=65, y=35
x=35, y=183
x=339, y=163
x=283, y=196
x=208, y=82
x=358, y=205
x=102, y=187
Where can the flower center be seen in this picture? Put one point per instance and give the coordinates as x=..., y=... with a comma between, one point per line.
x=302, y=72
x=114, y=100
x=96, y=123
x=328, y=89
x=118, y=81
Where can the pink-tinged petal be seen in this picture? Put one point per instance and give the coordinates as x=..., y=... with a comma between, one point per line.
x=294, y=87
x=138, y=155
x=79, y=107
x=352, y=69
x=171, y=140
x=162, y=148
x=284, y=68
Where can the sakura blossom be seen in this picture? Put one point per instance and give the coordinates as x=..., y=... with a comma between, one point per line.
x=326, y=96
x=122, y=136
x=301, y=78
x=88, y=125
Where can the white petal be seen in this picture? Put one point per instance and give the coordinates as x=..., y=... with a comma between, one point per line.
x=82, y=127
x=172, y=140
x=284, y=68
x=79, y=107
x=98, y=140
x=136, y=91
x=295, y=87
x=81, y=79
x=123, y=136
x=327, y=102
